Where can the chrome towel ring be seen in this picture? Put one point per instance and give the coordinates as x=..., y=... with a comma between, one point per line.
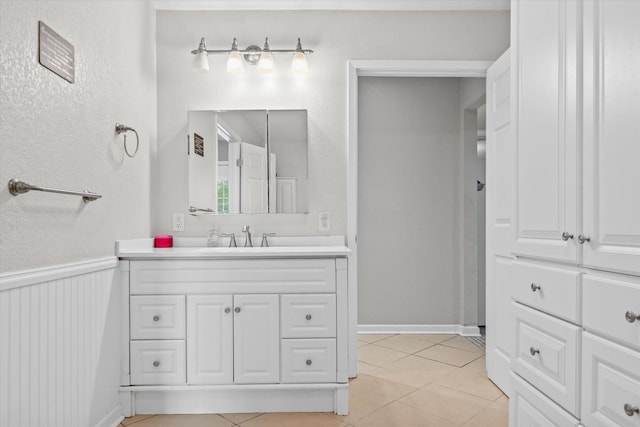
x=120, y=128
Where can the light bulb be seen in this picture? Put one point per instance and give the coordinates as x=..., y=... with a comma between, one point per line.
x=201, y=62
x=299, y=62
x=265, y=63
x=234, y=62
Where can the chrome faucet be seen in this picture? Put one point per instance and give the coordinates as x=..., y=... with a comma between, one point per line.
x=232, y=240
x=247, y=240
x=265, y=242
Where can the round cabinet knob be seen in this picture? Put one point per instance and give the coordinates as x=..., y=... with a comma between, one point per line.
x=534, y=351
x=308, y=317
x=308, y=362
x=631, y=316
x=582, y=239
x=535, y=287
x=631, y=410
x=227, y=310
x=237, y=309
x=566, y=236
x=156, y=363
x=156, y=318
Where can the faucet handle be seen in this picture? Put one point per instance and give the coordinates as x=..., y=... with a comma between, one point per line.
x=245, y=228
x=232, y=241
x=265, y=242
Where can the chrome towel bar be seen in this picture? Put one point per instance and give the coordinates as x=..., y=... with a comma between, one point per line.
x=19, y=187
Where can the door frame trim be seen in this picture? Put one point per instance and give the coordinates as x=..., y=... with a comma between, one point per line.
x=381, y=68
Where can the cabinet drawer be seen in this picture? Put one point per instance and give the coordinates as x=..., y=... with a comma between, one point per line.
x=554, y=290
x=529, y=407
x=157, y=362
x=308, y=316
x=547, y=356
x=157, y=317
x=611, y=375
x=233, y=276
x=309, y=361
x=608, y=300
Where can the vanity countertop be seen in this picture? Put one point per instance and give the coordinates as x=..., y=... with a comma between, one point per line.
x=196, y=248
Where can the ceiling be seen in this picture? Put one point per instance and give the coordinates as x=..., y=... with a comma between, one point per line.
x=385, y=5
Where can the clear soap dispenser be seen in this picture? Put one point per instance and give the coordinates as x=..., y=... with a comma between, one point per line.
x=212, y=238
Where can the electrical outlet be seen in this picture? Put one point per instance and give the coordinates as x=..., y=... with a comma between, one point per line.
x=178, y=221
x=324, y=221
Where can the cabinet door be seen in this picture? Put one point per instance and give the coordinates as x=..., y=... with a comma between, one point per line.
x=256, y=339
x=612, y=135
x=544, y=66
x=209, y=339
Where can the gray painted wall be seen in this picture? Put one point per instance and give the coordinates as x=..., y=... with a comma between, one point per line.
x=408, y=214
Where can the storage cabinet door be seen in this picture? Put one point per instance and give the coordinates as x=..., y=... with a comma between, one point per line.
x=612, y=135
x=209, y=339
x=611, y=383
x=544, y=62
x=256, y=339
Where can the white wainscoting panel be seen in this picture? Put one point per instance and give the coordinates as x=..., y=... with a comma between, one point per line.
x=59, y=346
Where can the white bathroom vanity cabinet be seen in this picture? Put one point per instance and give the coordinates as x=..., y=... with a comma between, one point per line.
x=231, y=330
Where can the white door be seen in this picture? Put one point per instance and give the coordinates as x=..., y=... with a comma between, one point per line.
x=209, y=339
x=544, y=67
x=256, y=339
x=253, y=178
x=612, y=136
x=499, y=233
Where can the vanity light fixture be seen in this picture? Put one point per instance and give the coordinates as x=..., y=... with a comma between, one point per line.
x=252, y=55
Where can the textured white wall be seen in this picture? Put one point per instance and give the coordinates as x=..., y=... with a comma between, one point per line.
x=57, y=134
x=337, y=37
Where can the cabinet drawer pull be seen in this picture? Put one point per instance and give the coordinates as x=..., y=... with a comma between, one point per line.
x=308, y=317
x=535, y=287
x=237, y=310
x=156, y=318
x=631, y=410
x=227, y=310
x=156, y=363
x=309, y=362
x=631, y=316
x=566, y=236
x=534, y=351
x=582, y=239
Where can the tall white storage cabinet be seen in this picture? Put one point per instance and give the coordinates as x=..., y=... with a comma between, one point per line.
x=576, y=280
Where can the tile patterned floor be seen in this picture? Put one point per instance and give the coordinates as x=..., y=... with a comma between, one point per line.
x=404, y=381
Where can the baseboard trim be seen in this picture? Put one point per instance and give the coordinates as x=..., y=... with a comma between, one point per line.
x=112, y=419
x=468, y=331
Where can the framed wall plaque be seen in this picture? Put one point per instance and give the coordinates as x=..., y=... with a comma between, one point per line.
x=55, y=53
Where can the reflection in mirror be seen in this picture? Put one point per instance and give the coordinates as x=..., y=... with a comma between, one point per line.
x=248, y=161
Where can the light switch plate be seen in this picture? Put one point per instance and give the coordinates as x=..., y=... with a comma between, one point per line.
x=324, y=221
x=178, y=221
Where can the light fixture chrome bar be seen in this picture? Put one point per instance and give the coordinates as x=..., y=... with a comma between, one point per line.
x=250, y=51
x=202, y=48
x=20, y=187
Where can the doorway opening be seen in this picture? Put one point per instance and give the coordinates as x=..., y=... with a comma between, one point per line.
x=464, y=305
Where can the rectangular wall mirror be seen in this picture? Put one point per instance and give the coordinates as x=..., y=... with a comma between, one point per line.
x=248, y=161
